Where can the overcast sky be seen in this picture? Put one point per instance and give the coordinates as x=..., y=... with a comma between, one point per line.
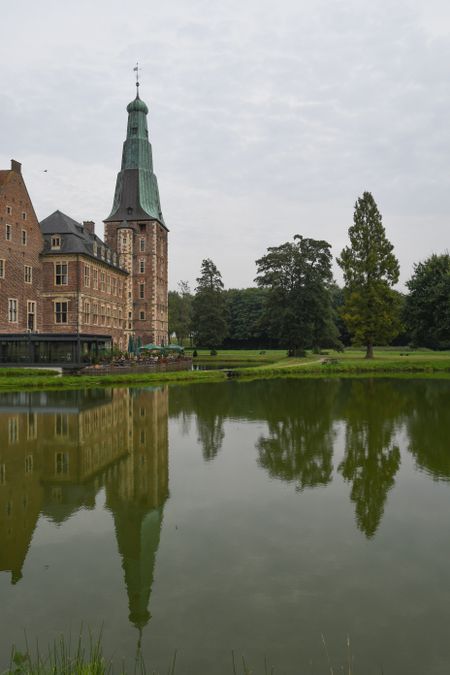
x=267, y=119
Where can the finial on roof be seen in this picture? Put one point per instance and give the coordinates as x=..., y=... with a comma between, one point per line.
x=136, y=70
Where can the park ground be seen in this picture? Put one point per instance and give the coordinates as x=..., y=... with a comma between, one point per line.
x=251, y=364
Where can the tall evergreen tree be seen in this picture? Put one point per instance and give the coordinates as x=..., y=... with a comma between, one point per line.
x=298, y=278
x=371, y=308
x=209, y=322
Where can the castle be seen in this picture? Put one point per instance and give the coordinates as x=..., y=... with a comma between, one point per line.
x=64, y=293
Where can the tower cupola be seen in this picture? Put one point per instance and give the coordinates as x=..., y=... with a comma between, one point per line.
x=136, y=196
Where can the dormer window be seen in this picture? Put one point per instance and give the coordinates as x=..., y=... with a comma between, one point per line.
x=129, y=210
x=56, y=242
x=95, y=249
x=108, y=256
x=103, y=252
x=134, y=130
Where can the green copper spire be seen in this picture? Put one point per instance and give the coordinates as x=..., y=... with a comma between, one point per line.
x=137, y=194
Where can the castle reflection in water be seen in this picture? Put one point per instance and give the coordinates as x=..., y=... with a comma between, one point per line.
x=58, y=449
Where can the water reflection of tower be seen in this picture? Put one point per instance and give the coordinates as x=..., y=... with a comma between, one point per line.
x=136, y=494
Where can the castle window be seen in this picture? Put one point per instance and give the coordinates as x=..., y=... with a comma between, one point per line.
x=142, y=266
x=129, y=210
x=24, y=237
x=95, y=279
x=28, y=274
x=141, y=291
x=94, y=248
x=24, y=215
x=8, y=210
x=120, y=319
x=87, y=312
x=134, y=130
x=142, y=244
x=108, y=315
x=102, y=281
x=87, y=276
x=8, y=232
x=142, y=316
x=95, y=314
x=61, y=463
x=29, y=464
x=12, y=310
x=102, y=315
x=31, y=426
x=61, y=311
x=108, y=283
x=13, y=429
x=61, y=274
x=142, y=228
x=2, y=269
x=61, y=425
x=56, y=242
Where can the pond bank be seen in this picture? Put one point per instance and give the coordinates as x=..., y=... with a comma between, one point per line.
x=439, y=367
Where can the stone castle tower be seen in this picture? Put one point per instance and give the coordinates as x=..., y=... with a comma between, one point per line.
x=135, y=229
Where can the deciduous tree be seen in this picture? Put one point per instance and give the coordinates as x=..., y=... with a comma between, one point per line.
x=427, y=311
x=298, y=278
x=180, y=311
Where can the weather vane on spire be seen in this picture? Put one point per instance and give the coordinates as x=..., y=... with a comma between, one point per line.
x=136, y=70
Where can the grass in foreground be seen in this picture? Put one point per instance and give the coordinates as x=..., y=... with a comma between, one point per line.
x=63, y=658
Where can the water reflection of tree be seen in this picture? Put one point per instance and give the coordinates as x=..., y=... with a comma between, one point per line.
x=299, y=446
x=429, y=428
x=210, y=404
x=372, y=458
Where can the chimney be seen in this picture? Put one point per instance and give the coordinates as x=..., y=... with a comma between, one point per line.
x=16, y=166
x=89, y=226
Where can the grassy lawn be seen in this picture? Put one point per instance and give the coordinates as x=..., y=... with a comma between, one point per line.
x=399, y=362
x=237, y=356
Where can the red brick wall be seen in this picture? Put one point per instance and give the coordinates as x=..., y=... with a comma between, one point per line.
x=14, y=197
x=77, y=293
x=154, y=327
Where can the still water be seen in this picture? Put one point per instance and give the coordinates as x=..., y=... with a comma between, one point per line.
x=255, y=517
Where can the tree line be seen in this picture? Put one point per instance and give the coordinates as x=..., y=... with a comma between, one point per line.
x=296, y=304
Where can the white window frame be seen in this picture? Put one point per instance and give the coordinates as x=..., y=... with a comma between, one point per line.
x=63, y=276
x=28, y=274
x=13, y=310
x=61, y=312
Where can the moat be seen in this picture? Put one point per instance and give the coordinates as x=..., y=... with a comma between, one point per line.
x=255, y=517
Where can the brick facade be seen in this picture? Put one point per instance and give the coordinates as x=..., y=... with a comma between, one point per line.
x=20, y=246
x=142, y=247
x=95, y=295
x=91, y=296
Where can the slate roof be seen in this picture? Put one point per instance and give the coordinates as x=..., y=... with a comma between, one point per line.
x=74, y=239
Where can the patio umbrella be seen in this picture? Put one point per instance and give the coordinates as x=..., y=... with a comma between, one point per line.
x=152, y=347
